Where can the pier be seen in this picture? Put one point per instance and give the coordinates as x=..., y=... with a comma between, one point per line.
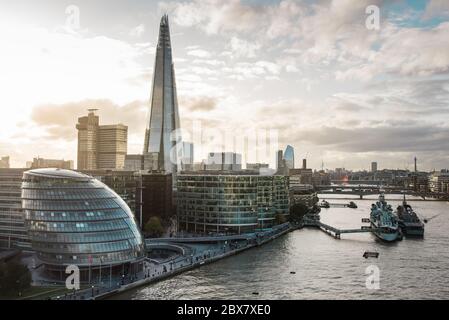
x=335, y=232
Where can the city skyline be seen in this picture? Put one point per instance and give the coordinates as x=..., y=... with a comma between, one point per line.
x=347, y=98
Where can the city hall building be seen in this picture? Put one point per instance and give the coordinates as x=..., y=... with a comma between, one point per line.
x=231, y=203
x=74, y=219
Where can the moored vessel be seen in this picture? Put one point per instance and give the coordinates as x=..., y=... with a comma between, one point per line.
x=409, y=221
x=383, y=221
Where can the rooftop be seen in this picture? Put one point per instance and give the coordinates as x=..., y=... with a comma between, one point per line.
x=58, y=173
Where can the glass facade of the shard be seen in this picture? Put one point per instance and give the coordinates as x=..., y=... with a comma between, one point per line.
x=160, y=140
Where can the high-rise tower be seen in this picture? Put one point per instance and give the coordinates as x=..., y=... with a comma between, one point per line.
x=160, y=140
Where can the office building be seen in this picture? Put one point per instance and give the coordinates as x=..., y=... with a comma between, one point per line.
x=156, y=192
x=224, y=161
x=100, y=147
x=217, y=202
x=373, y=166
x=112, y=146
x=300, y=176
x=4, y=162
x=164, y=116
x=133, y=162
x=40, y=163
x=439, y=181
x=187, y=156
x=12, y=223
x=74, y=219
x=289, y=157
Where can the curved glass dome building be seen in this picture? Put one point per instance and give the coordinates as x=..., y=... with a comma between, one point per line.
x=74, y=219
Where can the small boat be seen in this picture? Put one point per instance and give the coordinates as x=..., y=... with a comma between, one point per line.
x=370, y=254
x=324, y=204
x=352, y=205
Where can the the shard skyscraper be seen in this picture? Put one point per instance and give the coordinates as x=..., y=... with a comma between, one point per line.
x=160, y=151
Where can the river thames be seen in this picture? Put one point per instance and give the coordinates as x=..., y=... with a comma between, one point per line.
x=309, y=264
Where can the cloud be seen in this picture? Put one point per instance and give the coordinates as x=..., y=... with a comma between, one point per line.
x=436, y=8
x=215, y=16
x=138, y=31
x=243, y=48
x=199, y=53
x=386, y=138
x=59, y=120
x=201, y=104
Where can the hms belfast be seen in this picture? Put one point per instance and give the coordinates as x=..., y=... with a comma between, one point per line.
x=162, y=147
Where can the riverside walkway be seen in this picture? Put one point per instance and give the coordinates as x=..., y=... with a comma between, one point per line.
x=192, y=254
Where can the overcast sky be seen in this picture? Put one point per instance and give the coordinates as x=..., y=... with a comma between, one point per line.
x=335, y=90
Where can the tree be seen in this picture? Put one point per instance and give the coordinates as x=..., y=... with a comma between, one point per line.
x=14, y=278
x=153, y=228
x=297, y=212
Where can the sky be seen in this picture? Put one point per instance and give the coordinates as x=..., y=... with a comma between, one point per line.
x=342, y=92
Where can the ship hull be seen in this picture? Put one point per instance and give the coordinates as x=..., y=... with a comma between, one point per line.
x=385, y=236
x=414, y=232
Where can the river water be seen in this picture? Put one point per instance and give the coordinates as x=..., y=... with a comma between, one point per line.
x=325, y=268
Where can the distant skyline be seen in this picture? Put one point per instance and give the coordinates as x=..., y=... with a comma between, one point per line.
x=338, y=92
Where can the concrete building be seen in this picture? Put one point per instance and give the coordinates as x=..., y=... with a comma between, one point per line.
x=373, y=166
x=12, y=223
x=439, y=181
x=100, y=147
x=4, y=162
x=217, y=202
x=224, y=161
x=133, y=162
x=112, y=146
x=300, y=176
x=39, y=163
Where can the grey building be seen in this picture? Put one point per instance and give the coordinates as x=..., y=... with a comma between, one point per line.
x=4, y=162
x=133, y=162
x=224, y=161
x=164, y=116
x=187, y=156
x=39, y=163
x=12, y=224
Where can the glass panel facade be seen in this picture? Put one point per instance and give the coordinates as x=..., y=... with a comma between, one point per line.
x=74, y=218
x=230, y=203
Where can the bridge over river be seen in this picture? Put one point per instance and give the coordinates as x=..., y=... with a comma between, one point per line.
x=362, y=190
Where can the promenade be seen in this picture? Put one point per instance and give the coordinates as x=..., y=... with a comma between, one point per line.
x=193, y=254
